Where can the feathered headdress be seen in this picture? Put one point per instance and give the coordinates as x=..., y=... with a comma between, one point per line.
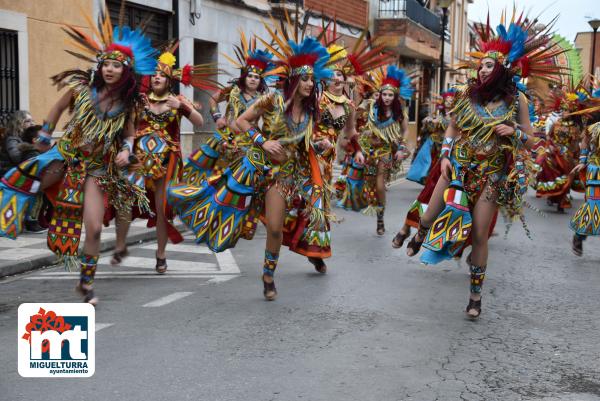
x=249, y=58
x=297, y=54
x=199, y=76
x=394, y=79
x=521, y=48
x=129, y=46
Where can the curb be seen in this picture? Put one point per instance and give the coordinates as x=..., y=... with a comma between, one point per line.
x=18, y=267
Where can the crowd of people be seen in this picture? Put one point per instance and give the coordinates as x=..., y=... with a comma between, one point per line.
x=296, y=101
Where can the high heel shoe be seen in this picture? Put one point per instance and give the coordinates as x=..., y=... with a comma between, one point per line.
x=161, y=265
x=399, y=239
x=88, y=293
x=319, y=264
x=269, y=291
x=415, y=244
x=473, y=306
x=118, y=256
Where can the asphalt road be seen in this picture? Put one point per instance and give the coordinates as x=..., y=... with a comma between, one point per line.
x=379, y=326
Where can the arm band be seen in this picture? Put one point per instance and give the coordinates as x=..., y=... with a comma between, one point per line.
x=446, y=147
x=256, y=136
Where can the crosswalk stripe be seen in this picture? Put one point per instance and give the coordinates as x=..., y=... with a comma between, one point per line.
x=167, y=299
x=132, y=276
x=150, y=263
x=181, y=248
x=227, y=262
x=100, y=326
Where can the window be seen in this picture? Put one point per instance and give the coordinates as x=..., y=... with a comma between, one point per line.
x=158, y=29
x=9, y=74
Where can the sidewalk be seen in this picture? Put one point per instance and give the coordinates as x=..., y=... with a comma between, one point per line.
x=29, y=251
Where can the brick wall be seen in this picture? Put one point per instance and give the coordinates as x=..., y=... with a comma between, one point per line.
x=353, y=12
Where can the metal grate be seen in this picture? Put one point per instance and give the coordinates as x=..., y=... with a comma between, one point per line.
x=412, y=10
x=9, y=75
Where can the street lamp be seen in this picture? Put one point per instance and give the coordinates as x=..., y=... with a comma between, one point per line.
x=595, y=24
x=444, y=4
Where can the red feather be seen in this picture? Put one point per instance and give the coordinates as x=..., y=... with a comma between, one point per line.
x=302, y=59
x=123, y=49
x=186, y=74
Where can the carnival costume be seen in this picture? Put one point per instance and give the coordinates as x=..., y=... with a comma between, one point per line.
x=561, y=150
x=157, y=148
x=432, y=136
x=88, y=148
x=227, y=145
x=379, y=141
x=307, y=226
x=482, y=162
x=218, y=210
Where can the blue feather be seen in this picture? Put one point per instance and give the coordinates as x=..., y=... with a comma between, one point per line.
x=144, y=55
x=311, y=45
x=405, y=90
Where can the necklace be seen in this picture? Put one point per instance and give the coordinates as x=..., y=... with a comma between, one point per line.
x=155, y=98
x=335, y=98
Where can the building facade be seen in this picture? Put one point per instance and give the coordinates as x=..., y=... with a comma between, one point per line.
x=32, y=43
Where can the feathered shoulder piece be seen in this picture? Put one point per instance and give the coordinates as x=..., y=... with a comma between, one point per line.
x=520, y=46
x=122, y=43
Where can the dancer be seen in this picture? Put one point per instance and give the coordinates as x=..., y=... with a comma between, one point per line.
x=383, y=128
x=585, y=222
x=157, y=150
x=228, y=143
x=87, y=161
x=431, y=149
x=554, y=180
x=307, y=226
x=217, y=210
x=485, y=153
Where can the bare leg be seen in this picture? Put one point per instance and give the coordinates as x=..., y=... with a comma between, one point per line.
x=275, y=214
x=122, y=221
x=161, y=218
x=93, y=214
x=483, y=214
x=54, y=173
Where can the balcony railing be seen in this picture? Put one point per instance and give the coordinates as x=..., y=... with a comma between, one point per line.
x=411, y=9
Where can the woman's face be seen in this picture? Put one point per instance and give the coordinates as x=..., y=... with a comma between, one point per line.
x=252, y=81
x=112, y=70
x=305, y=86
x=387, y=97
x=448, y=102
x=485, y=68
x=28, y=122
x=336, y=84
x=159, y=83
x=375, y=96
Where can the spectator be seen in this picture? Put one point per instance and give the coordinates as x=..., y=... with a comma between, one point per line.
x=10, y=154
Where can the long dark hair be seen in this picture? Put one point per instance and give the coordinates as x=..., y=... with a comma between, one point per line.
x=396, y=107
x=126, y=90
x=500, y=85
x=310, y=104
x=241, y=83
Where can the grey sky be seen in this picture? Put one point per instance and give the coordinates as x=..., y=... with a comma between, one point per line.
x=572, y=13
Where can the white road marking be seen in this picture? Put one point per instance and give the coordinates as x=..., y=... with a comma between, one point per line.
x=100, y=326
x=181, y=248
x=221, y=279
x=227, y=263
x=167, y=299
x=133, y=276
x=174, y=264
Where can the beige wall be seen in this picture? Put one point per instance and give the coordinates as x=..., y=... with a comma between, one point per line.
x=46, y=46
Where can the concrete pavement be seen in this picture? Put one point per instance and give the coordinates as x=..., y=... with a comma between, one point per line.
x=379, y=326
